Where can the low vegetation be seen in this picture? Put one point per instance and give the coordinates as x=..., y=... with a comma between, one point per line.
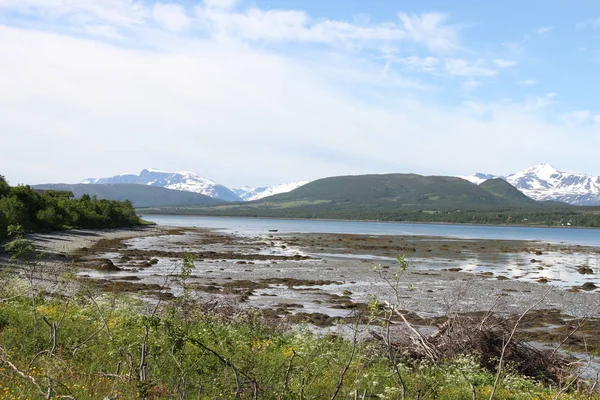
x=37, y=210
x=93, y=345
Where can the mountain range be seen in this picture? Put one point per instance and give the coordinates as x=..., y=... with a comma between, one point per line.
x=139, y=195
x=544, y=182
x=403, y=197
x=194, y=182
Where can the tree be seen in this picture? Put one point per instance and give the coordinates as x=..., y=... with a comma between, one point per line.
x=14, y=211
x=4, y=186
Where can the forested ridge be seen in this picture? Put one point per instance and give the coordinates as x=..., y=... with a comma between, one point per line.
x=36, y=210
x=404, y=198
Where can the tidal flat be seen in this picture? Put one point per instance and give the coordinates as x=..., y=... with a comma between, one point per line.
x=323, y=279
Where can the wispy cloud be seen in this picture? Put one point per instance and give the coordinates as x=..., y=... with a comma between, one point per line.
x=544, y=29
x=171, y=16
x=122, y=13
x=221, y=18
x=577, y=117
x=590, y=23
x=528, y=82
x=500, y=63
x=471, y=84
x=223, y=4
x=461, y=67
x=427, y=29
x=427, y=64
x=432, y=30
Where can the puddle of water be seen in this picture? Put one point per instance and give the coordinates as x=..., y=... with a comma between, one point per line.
x=275, y=294
x=558, y=268
x=369, y=257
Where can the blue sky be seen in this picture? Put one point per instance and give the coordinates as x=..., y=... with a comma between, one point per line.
x=262, y=92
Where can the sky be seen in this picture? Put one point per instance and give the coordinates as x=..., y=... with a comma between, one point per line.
x=264, y=92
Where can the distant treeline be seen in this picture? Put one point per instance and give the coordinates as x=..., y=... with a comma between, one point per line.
x=37, y=210
x=543, y=216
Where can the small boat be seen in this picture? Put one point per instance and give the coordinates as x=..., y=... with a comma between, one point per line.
x=273, y=230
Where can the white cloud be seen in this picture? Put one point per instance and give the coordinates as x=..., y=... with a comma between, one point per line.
x=460, y=67
x=427, y=29
x=220, y=106
x=528, y=82
x=123, y=13
x=536, y=103
x=107, y=31
x=544, y=29
x=500, y=63
x=427, y=64
x=223, y=4
x=577, y=117
x=432, y=30
x=171, y=16
x=471, y=84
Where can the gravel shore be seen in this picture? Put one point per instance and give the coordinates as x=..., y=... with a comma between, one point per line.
x=69, y=242
x=322, y=278
x=325, y=284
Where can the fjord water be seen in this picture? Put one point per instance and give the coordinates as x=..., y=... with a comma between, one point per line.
x=255, y=226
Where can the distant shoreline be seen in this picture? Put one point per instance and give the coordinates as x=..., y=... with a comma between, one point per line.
x=141, y=214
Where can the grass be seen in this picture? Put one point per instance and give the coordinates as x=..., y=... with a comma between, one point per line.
x=197, y=352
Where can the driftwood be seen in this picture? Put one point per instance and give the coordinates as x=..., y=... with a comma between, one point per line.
x=489, y=340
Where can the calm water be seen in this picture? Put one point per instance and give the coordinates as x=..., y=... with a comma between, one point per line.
x=253, y=226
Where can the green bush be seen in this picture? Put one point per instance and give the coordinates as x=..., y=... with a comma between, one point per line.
x=21, y=205
x=99, y=345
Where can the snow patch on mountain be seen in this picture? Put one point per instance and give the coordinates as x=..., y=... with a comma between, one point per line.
x=544, y=182
x=248, y=193
x=478, y=178
x=180, y=180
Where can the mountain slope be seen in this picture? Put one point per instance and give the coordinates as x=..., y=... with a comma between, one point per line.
x=544, y=182
x=139, y=195
x=395, y=190
x=183, y=181
x=248, y=193
x=501, y=188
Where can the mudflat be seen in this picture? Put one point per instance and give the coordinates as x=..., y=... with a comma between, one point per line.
x=324, y=278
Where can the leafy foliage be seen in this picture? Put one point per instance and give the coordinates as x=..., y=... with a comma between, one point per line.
x=90, y=347
x=43, y=211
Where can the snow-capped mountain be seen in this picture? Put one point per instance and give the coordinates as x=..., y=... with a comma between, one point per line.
x=181, y=180
x=248, y=193
x=478, y=178
x=544, y=182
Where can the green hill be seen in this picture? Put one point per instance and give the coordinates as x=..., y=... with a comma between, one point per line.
x=402, y=197
x=500, y=188
x=139, y=195
x=395, y=190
